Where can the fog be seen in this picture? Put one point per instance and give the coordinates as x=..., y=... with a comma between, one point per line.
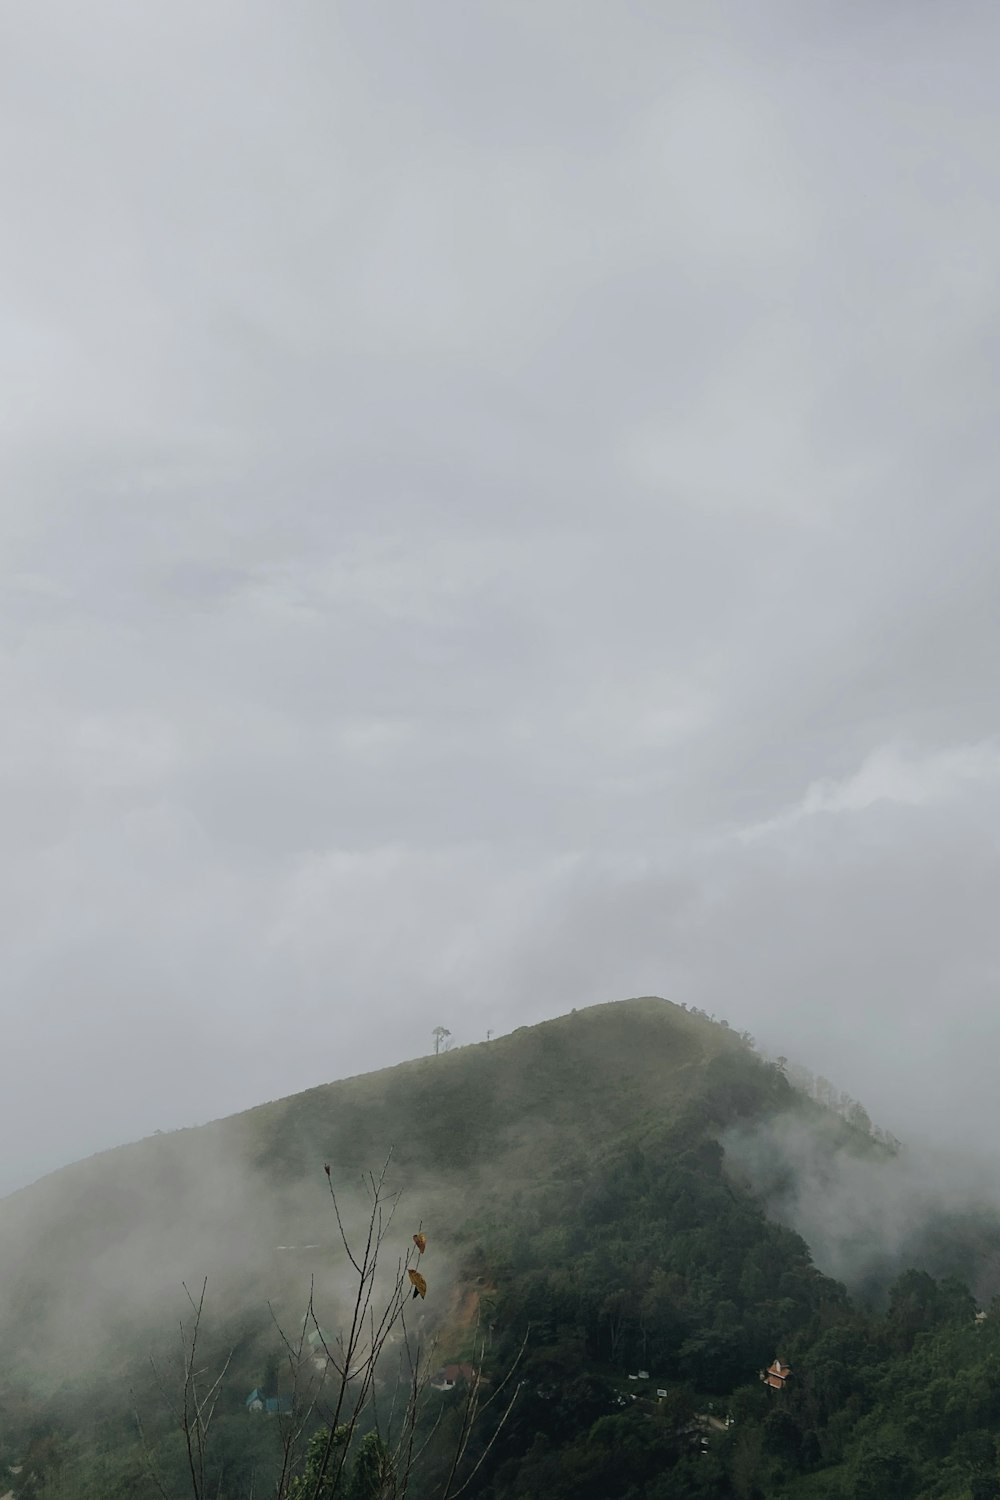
x=497, y=514
x=104, y=1263
x=866, y=1217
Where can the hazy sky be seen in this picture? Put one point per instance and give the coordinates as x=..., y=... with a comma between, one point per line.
x=499, y=512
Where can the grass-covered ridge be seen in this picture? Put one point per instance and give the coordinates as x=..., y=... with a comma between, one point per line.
x=504, y=1113
x=573, y=1180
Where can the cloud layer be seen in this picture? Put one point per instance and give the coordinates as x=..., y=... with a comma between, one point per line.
x=497, y=513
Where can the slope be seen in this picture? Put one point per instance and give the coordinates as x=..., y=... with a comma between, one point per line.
x=572, y=1181
x=100, y=1242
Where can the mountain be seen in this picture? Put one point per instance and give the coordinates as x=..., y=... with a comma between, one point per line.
x=591, y=1189
x=478, y=1127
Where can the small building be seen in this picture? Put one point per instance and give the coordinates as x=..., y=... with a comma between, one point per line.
x=271, y=1406
x=776, y=1375
x=449, y=1376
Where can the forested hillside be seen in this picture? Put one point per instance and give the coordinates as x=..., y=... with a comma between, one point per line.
x=592, y=1250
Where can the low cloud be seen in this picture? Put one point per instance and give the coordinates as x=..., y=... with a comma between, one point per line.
x=867, y=1216
x=490, y=527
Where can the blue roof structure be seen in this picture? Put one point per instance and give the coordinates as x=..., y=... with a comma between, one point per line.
x=275, y=1406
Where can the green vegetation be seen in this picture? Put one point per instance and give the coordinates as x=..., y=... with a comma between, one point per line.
x=573, y=1182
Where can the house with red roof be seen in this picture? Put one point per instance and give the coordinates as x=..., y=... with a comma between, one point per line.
x=776, y=1375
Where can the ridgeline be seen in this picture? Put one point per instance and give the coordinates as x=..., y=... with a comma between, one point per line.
x=573, y=1182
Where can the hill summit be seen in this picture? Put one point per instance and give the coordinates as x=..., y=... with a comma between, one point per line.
x=586, y=1213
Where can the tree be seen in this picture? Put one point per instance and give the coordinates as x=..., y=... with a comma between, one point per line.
x=746, y=1461
x=825, y=1093
x=615, y=1314
x=355, y=1449
x=440, y=1034
x=374, y=1473
x=193, y=1409
x=310, y=1482
x=881, y=1474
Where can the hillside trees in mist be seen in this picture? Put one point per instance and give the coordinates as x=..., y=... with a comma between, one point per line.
x=361, y=1430
x=837, y=1101
x=592, y=1196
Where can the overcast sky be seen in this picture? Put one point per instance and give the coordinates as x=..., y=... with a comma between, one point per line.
x=499, y=513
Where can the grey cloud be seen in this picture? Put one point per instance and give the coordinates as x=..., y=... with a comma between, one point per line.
x=459, y=473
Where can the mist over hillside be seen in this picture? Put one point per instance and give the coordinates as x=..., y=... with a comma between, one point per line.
x=526, y=1160
x=482, y=1124
x=100, y=1246
x=866, y=1215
